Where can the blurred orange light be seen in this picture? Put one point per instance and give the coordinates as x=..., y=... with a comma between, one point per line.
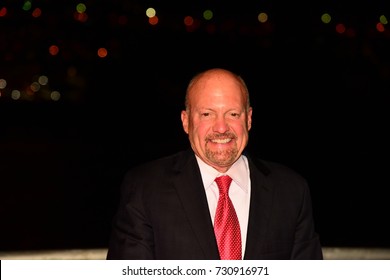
x=82, y=17
x=153, y=20
x=188, y=21
x=380, y=27
x=3, y=11
x=37, y=12
x=102, y=52
x=53, y=50
x=340, y=28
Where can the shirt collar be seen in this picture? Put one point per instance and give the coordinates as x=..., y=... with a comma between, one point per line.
x=239, y=172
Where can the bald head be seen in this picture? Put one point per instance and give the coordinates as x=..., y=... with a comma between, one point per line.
x=216, y=74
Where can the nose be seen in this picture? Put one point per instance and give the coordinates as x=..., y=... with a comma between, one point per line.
x=220, y=125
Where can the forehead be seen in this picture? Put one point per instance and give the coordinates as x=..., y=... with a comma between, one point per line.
x=216, y=85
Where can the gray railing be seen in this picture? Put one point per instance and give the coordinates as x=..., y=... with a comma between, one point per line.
x=330, y=253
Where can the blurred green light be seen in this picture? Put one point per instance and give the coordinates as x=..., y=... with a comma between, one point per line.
x=383, y=19
x=27, y=5
x=81, y=8
x=207, y=14
x=326, y=18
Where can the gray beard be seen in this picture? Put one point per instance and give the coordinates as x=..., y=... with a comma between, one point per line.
x=222, y=158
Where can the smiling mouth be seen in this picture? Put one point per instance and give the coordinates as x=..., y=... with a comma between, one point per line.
x=221, y=141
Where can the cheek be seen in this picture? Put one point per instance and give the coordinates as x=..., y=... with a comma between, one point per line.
x=239, y=127
x=200, y=130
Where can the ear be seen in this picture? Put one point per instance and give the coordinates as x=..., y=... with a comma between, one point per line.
x=249, y=121
x=184, y=120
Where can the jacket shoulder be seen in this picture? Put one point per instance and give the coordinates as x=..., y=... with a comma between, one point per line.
x=276, y=172
x=163, y=166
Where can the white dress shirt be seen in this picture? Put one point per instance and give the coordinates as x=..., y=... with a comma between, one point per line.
x=239, y=191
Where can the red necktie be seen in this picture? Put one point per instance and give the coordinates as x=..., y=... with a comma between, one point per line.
x=226, y=225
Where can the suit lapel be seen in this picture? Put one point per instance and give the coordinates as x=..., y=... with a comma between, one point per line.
x=189, y=186
x=260, y=207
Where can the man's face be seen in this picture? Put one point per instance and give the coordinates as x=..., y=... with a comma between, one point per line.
x=217, y=121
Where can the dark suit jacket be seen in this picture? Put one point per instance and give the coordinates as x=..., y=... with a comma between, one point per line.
x=163, y=214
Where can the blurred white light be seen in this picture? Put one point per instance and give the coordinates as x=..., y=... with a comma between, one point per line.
x=35, y=86
x=15, y=94
x=3, y=83
x=55, y=95
x=43, y=80
x=150, y=12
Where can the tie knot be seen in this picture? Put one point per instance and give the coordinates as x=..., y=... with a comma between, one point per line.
x=223, y=183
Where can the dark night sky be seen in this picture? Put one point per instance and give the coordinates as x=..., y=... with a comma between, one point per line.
x=320, y=103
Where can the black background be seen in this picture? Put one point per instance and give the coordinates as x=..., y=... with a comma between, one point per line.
x=321, y=106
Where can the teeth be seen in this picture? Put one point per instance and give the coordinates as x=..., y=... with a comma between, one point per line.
x=221, y=141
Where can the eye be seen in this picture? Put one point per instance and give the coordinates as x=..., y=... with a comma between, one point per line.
x=205, y=115
x=235, y=115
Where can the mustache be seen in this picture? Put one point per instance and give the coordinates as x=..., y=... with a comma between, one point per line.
x=220, y=136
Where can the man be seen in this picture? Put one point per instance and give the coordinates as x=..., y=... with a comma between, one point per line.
x=168, y=206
